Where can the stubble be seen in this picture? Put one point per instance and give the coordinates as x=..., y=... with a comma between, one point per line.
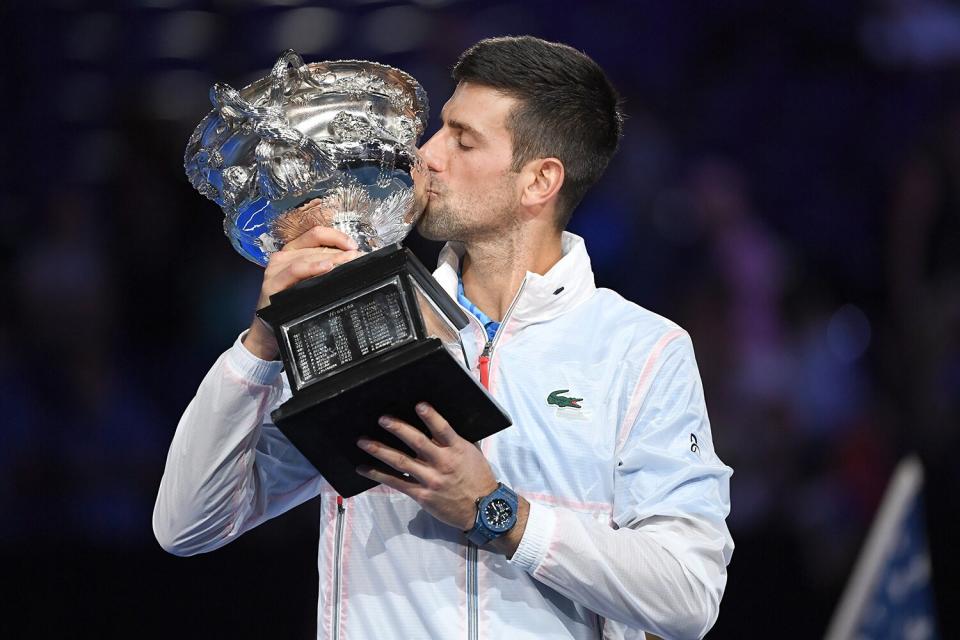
x=471, y=216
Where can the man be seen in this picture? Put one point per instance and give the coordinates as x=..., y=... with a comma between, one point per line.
x=611, y=496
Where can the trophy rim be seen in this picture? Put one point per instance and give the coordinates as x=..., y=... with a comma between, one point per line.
x=419, y=107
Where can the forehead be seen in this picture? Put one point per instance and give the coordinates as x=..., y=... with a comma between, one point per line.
x=480, y=108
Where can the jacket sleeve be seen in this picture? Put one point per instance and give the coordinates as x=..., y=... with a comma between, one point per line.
x=660, y=564
x=229, y=468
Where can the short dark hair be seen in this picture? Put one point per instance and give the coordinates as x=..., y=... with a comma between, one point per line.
x=568, y=108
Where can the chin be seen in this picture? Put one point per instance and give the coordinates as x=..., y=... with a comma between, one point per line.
x=423, y=228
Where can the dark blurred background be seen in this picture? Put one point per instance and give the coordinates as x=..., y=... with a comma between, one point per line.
x=788, y=190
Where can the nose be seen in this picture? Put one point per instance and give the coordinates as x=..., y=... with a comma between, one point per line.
x=431, y=152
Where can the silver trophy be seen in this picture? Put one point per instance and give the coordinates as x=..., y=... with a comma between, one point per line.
x=329, y=143
x=333, y=143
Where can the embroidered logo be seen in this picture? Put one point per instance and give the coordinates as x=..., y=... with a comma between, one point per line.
x=562, y=401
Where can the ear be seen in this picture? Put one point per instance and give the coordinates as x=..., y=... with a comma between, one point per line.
x=541, y=179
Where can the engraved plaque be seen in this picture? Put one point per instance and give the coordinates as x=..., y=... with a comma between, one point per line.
x=349, y=332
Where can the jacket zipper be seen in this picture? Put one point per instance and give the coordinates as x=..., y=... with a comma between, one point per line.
x=487, y=354
x=472, y=589
x=337, y=562
x=472, y=631
x=485, y=365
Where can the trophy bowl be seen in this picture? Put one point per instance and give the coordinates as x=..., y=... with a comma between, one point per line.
x=326, y=143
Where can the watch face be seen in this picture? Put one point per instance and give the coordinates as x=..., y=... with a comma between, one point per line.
x=497, y=514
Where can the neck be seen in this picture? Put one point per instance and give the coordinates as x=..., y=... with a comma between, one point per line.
x=494, y=268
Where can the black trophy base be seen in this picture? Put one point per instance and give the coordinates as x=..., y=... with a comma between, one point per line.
x=325, y=421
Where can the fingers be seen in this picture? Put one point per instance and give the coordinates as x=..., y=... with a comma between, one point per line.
x=420, y=471
x=280, y=259
x=441, y=430
x=345, y=256
x=400, y=484
x=297, y=271
x=397, y=460
x=313, y=253
x=283, y=273
x=320, y=236
x=423, y=446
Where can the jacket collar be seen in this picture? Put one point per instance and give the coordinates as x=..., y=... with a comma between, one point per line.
x=541, y=297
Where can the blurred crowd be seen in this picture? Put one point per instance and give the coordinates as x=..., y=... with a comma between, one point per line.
x=787, y=190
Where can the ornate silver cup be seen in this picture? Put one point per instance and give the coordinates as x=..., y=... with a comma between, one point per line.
x=331, y=143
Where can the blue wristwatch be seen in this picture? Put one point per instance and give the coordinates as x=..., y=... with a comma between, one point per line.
x=496, y=515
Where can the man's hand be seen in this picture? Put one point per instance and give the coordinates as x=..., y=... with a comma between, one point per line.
x=315, y=252
x=447, y=476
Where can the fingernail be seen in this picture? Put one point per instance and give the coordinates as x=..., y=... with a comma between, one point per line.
x=384, y=421
x=363, y=469
x=363, y=443
x=353, y=244
x=422, y=408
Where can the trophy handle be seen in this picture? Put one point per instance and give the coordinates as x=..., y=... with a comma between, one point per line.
x=278, y=75
x=223, y=95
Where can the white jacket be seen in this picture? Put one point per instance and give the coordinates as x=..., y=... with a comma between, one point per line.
x=626, y=529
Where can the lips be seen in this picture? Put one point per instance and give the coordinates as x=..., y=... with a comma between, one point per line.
x=430, y=190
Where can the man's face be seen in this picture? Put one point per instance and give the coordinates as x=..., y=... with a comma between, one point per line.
x=473, y=192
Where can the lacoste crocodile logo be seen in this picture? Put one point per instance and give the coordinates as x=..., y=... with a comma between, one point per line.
x=561, y=401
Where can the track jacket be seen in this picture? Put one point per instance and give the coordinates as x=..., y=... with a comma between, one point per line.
x=610, y=444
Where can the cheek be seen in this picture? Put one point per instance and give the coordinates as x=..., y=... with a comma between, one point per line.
x=480, y=178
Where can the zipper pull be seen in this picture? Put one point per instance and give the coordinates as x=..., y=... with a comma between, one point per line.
x=339, y=504
x=485, y=365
